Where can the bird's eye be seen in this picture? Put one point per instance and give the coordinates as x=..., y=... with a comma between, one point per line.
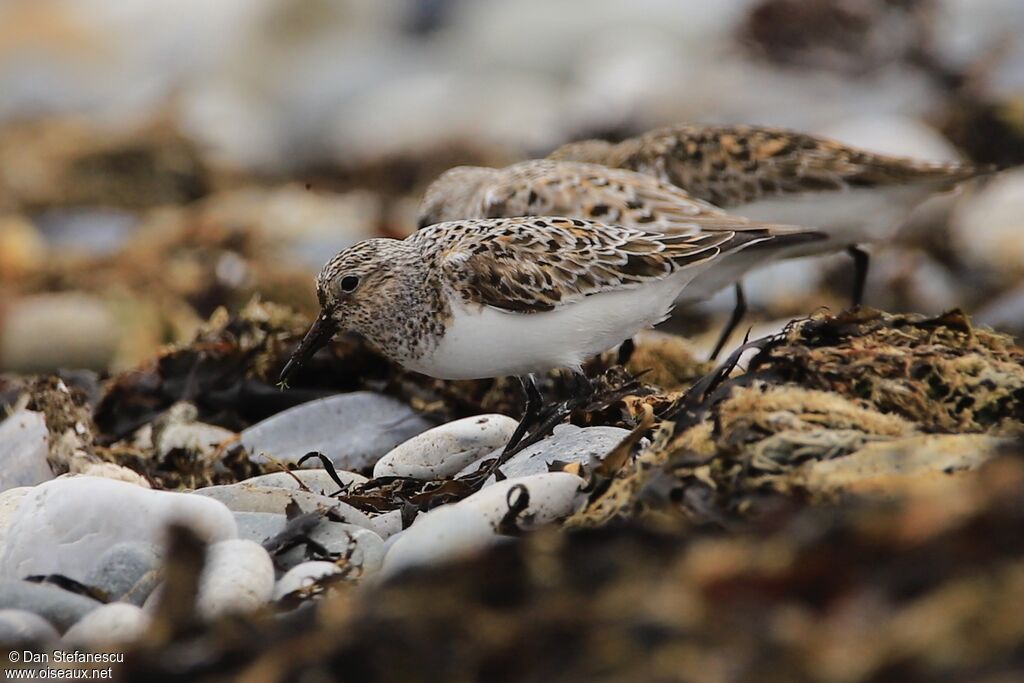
x=349, y=283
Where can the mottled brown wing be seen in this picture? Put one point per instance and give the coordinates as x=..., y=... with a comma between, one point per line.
x=589, y=191
x=730, y=166
x=536, y=264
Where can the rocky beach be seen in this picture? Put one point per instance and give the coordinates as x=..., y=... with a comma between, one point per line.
x=838, y=497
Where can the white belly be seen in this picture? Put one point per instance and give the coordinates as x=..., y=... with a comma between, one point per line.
x=849, y=217
x=486, y=342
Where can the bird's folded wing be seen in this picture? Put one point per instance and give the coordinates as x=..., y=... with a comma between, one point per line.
x=533, y=264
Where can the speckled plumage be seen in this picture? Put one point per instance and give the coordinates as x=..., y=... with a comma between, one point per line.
x=491, y=297
x=731, y=166
x=614, y=196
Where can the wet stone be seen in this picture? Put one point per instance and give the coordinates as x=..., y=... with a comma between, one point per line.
x=354, y=430
x=443, y=534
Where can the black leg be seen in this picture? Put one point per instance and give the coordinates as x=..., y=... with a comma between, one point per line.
x=531, y=412
x=626, y=350
x=861, y=259
x=582, y=389
x=738, y=312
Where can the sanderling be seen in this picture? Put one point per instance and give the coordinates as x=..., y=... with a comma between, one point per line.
x=544, y=187
x=784, y=176
x=506, y=296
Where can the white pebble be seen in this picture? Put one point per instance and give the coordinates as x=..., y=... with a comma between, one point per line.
x=64, y=526
x=246, y=497
x=443, y=451
x=302, y=575
x=387, y=524
x=113, y=624
x=19, y=626
x=24, y=447
x=552, y=496
x=445, y=533
x=317, y=481
x=238, y=577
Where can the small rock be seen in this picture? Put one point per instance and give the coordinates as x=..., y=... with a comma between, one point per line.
x=238, y=577
x=9, y=502
x=387, y=524
x=363, y=548
x=64, y=526
x=127, y=572
x=302, y=575
x=259, y=526
x=552, y=496
x=115, y=624
x=441, y=452
x=354, y=430
x=59, y=607
x=568, y=443
x=248, y=498
x=445, y=533
x=24, y=446
x=20, y=627
x=986, y=227
x=317, y=481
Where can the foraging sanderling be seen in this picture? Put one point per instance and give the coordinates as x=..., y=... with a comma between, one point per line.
x=784, y=176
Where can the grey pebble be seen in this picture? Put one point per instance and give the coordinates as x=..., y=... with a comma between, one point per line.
x=59, y=607
x=127, y=572
x=354, y=430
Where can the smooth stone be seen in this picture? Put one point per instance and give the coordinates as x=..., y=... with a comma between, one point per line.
x=354, y=430
x=441, y=535
x=59, y=607
x=387, y=524
x=9, y=502
x=24, y=447
x=114, y=624
x=238, y=577
x=441, y=452
x=568, y=443
x=553, y=496
x=317, y=481
x=986, y=226
x=64, y=526
x=127, y=572
x=248, y=498
x=259, y=526
x=21, y=627
x=364, y=549
x=303, y=575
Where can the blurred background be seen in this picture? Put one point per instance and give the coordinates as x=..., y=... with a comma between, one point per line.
x=163, y=158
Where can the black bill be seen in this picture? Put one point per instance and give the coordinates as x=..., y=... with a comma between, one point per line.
x=320, y=333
